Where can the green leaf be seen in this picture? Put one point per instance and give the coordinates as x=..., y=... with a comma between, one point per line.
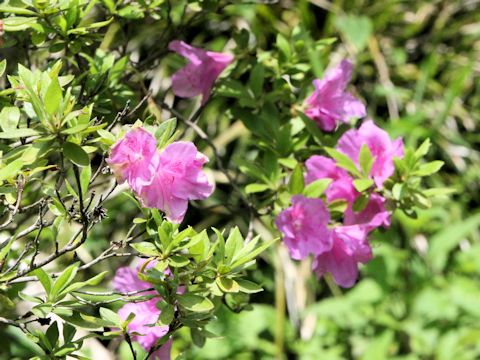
x=85, y=176
x=18, y=133
x=75, y=129
x=76, y=154
x=248, y=287
x=167, y=315
x=360, y=203
x=111, y=317
x=52, y=334
x=256, y=80
x=178, y=261
x=316, y=188
x=90, y=282
x=362, y=184
x=284, y=46
x=338, y=205
x=131, y=12
x=64, y=280
x=227, y=285
x=197, y=337
x=365, y=159
x=253, y=254
x=165, y=131
x=439, y=191
x=53, y=96
x=344, y=161
x=44, y=279
x=233, y=244
x=6, y=248
x=195, y=303
x=256, y=188
x=11, y=170
x=16, y=10
x=3, y=65
x=146, y=248
x=106, y=136
x=428, y=168
x=423, y=149
x=9, y=117
x=356, y=29
x=296, y=183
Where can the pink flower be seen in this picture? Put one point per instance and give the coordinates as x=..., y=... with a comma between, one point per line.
x=131, y=158
x=304, y=226
x=146, y=312
x=178, y=178
x=321, y=167
x=165, y=180
x=199, y=75
x=350, y=247
x=383, y=149
x=330, y=102
x=126, y=280
x=372, y=216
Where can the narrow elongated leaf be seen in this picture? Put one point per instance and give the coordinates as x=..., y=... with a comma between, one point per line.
x=44, y=279
x=64, y=280
x=316, y=188
x=11, y=169
x=76, y=154
x=18, y=133
x=53, y=96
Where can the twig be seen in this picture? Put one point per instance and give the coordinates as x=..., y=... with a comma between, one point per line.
x=20, y=186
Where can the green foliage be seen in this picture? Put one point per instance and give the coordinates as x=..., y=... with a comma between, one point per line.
x=76, y=72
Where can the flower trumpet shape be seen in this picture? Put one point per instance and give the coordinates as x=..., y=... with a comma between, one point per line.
x=330, y=103
x=199, y=75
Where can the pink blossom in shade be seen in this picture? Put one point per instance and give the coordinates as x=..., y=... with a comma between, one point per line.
x=330, y=103
x=126, y=280
x=146, y=312
x=179, y=177
x=164, y=352
x=350, y=247
x=381, y=146
x=372, y=216
x=130, y=158
x=304, y=227
x=199, y=75
x=341, y=187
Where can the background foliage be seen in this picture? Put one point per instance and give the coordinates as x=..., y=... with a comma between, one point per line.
x=416, y=64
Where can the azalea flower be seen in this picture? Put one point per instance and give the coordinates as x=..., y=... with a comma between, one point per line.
x=341, y=187
x=383, y=149
x=330, y=103
x=304, y=227
x=165, y=180
x=199, y=75
x=131, y=158
x=178, y=178
x=142, y=327
x=349, y=248
x=371, y=217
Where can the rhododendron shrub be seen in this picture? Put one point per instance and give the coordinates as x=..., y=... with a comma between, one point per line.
x=166, y=168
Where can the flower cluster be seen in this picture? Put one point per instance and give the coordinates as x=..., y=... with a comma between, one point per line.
x=142, y=327
x=306, y=225
x=166, y=179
